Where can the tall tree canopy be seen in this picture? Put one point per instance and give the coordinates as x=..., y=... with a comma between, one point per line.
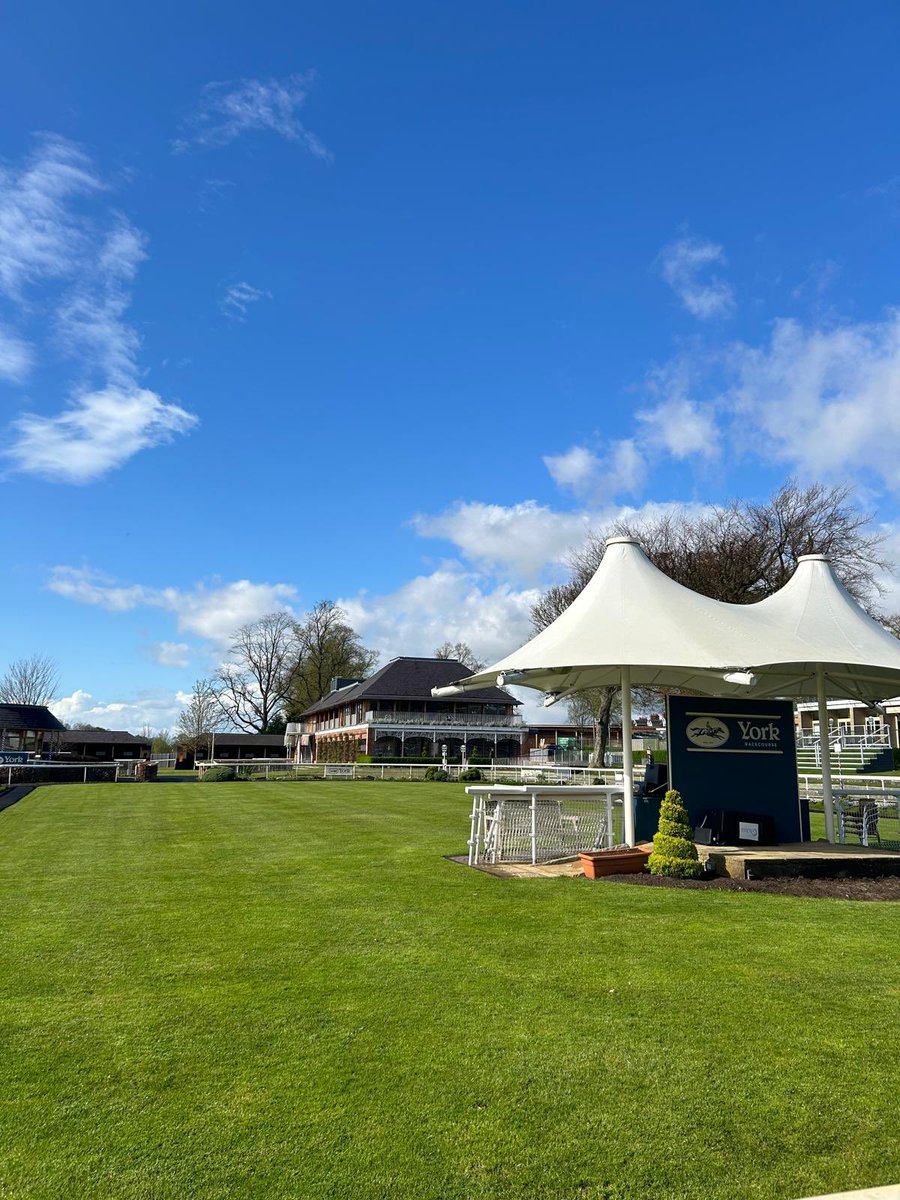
x=253, y=686
x=739, y=552
x=328, y=647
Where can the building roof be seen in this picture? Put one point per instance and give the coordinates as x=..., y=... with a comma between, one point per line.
x=101, y=736
x=250, y=739
x=28, y=716
x=411, y=679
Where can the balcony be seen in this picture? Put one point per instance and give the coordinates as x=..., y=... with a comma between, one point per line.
x=428, y=720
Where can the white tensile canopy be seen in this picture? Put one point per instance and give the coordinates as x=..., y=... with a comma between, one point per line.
x=632, y=625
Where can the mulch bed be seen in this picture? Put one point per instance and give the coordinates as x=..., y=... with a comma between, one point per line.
x=887, y=888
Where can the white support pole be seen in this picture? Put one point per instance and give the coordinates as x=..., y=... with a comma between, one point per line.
x=627, y=759
x=534, y=827
x=825, y=753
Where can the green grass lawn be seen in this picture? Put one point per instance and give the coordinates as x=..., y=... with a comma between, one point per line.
x=283, y=990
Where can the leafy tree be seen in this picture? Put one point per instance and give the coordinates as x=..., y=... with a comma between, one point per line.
x=738, y=552
x=328, y=647
x=254, y=685
x=162, y=742
x=461, y=652
x=31, y=680
x=674, y=853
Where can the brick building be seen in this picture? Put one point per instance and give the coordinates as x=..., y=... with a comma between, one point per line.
x=393, y=714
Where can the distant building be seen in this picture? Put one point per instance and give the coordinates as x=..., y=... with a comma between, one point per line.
x=393, y=714
x=227, y=747
x=25, y=727
x=101, y=745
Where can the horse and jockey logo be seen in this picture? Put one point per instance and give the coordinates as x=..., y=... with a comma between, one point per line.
x=707, y=732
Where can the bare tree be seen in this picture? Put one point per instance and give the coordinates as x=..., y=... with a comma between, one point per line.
x=253, y=686
x=461, y=652
x=594, y=709
x=739, y=552
x=328, y=647
x=32, y=680
x=200, y=717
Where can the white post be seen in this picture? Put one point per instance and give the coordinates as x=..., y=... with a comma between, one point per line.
x=825, y=753
x=627, y=758
x=534, y=827
x=473, y=853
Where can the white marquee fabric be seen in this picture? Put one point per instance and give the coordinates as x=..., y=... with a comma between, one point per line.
x=861, y=659
x=631, y=614
x=633, y=626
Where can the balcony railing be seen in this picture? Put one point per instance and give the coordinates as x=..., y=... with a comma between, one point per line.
x=446, y=720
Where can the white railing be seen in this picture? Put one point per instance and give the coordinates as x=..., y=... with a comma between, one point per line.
x=44, y=772
x=859, y=735
x=811, y=785
x=496, y=773
x=851, y=748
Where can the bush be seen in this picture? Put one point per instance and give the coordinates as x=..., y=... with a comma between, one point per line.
x=674, y=853
x=219, y=775
x=437, y=775
x=897, y=760
x=469, y=776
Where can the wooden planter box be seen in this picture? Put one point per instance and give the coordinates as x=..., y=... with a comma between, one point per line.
x=627, y=861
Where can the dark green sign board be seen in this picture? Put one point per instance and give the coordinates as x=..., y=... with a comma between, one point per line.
x=738, y=758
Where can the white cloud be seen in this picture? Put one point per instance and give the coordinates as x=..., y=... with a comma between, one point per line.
x=620, y=471
x=91, y=318
x=228, y=110
x=684, y=266
x=41, y=236
x=523, y=538
x=95, y=433
x=210, y=612
x=825, y=401
x=15, y=357
x=172, y=654
x=237, y=299
x=46, y=237
x=450, y=604
x=682, y=428
x=527, y=541
x=159, y=710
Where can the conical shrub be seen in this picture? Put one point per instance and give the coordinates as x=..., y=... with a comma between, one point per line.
x=674, y=853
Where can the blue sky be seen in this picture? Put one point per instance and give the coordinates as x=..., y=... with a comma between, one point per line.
x=389, y=304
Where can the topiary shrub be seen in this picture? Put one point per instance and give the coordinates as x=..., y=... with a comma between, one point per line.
x=674, y=853
x=219, y=775
x=437, y=775
x=472, y=775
